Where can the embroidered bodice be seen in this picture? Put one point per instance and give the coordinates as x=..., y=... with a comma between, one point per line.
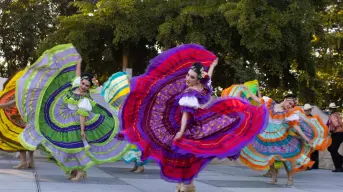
x=290, y=116
x=192, y=99
x=82, y=103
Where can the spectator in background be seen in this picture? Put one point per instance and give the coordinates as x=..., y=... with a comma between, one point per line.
x=335, y=125
x=315, y=155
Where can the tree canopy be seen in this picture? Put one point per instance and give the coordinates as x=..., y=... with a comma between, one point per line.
x=288, y=45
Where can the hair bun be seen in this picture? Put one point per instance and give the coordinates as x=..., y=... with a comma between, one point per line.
x=198, y=68
x=290, y=96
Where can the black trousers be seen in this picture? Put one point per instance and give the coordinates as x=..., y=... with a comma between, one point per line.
x=337, y=140
x=315, y=158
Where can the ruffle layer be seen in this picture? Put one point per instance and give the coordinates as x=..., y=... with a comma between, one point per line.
x=151, y=117
x=11, y=122
x=41, y=99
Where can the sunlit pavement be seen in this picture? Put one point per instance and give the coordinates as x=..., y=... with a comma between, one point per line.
x=115, y=177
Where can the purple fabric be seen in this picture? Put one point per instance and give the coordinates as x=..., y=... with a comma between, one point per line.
x=29, y=100
x=188, y=109
x=240, y=144
x=113, y=148
x=202, y=98
x=64, y=108
x=152, y=94
x=155, y=62
x=155, y=93
x=186, y=181
x=205, y=81
x=77, y=144
x=39, y=76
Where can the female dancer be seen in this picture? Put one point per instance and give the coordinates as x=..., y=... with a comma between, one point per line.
x=115, y=91
x=167, y=114
x=12, y=124
x=61, y=116
x=237, y=90
x=283, y=139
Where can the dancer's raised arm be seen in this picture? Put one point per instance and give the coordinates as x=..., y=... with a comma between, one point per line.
x=253, y=96
x=78, y=67
x=211, y=69
x=259, y=92
x=10, y=103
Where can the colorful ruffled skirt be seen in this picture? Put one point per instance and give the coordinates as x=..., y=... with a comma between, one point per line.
x=151, y=117
x=115, y=91
x=279, y=142
x=236, y=90
x=134, y=155
x=50, y=123
x=11, y=123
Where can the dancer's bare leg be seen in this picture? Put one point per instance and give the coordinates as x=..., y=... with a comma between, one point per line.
x=178, y=187
x=140, y=169
x=289, y=175
x=22, y=164
x=72, y=174
x=268, y=174
x=30, y=164
x=274, y=174
x=79, y=175
x=134, y=168
x=187, y=187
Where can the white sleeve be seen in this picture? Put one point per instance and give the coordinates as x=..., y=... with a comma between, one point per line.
x=76, y=82
x=85, y=104
x=189, y=101
x=265, y=99
x=293, y=117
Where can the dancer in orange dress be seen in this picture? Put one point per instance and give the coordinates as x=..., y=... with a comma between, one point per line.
x=290, y=137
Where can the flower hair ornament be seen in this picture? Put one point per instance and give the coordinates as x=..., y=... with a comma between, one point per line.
x=201, y=74
x=204, y=77
x=95, y=83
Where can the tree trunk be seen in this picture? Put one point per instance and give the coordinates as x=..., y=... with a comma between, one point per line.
x=125, y=57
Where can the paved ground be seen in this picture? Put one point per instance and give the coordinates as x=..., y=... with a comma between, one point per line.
x=115, y=177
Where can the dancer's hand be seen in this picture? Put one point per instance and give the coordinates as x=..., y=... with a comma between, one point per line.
x=308, y=141
x=83, y=135
x=244, y=87
x=178, y=135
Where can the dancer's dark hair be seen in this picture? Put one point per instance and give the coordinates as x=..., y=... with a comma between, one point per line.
x=89, y=77
x=290, y=96
x=198, y=69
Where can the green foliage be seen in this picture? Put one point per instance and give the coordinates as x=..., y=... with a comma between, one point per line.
x=105, y=31
x=288, y=45
x=23, y=24
x=275, y=34
x=327, y=49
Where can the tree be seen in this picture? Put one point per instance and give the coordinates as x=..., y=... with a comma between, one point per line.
x=23, y=24
x=288, y=45
x=106, y=33
x=327, y=49
x=133, y=21
x=202, y=22
x=276, y=34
